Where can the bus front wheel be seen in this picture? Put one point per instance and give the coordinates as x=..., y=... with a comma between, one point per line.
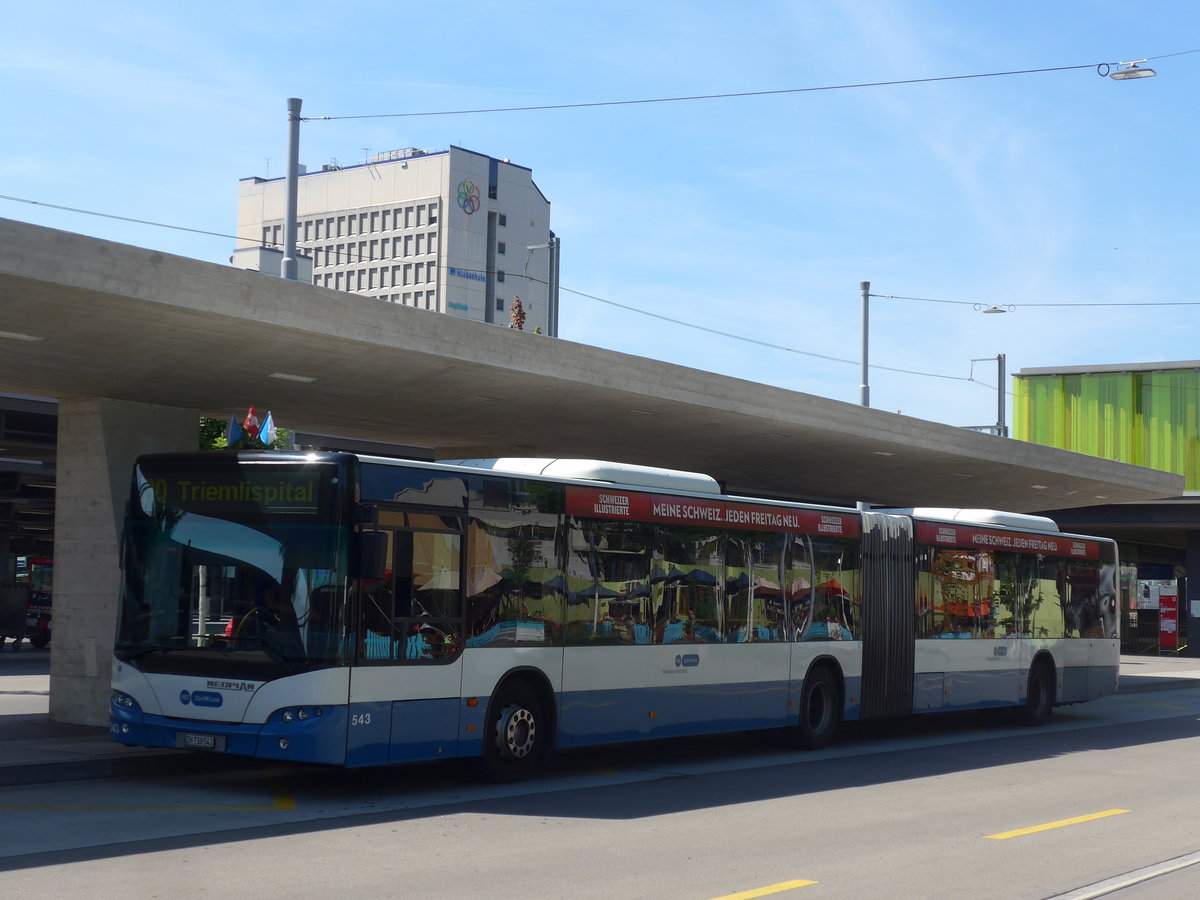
x=515, y=736
x=820, y=710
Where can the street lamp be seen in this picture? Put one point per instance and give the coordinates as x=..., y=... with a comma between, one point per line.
x=1131, y=70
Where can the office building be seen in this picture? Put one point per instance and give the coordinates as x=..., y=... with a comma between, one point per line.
x=452, y=231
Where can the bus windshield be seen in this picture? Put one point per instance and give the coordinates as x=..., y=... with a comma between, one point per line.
x=233, y=567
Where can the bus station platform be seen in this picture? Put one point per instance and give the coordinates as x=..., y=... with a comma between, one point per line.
x=35, y=750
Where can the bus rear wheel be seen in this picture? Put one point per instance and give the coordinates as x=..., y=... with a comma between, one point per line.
x=820, y=710
x=516, y=734
x=1039, y=695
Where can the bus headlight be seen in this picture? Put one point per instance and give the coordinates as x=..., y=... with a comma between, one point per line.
x=123, y=700
x=288, y=715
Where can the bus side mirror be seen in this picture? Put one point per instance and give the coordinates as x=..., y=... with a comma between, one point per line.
x=372, y=557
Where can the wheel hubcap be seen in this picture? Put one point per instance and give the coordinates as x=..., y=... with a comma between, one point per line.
x=518, y=732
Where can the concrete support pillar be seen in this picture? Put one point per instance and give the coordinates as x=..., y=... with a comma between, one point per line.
x=1191, y=601
x=98, y=440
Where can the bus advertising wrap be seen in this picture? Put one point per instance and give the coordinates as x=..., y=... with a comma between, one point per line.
x=939, y=535
x=637, y=507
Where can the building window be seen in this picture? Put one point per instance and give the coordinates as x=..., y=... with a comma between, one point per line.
x=432, y=213
x=396, y=276
x=420, y=215
x=502, y=219
x=407, y=299
x=408, y=245
x=408, y=216
x=420, y=245
x=500, y=303
x=431, y=299
x=499, y=275
x=374, y=221
x=385, y=220
x=350, y=220
x=432, y=242
x=407, y=274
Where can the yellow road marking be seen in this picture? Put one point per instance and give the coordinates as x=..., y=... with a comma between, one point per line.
x=283, y=800
x=768, y=890
x=1062, y=823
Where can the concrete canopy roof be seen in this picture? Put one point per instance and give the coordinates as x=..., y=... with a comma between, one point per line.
x=110, y=320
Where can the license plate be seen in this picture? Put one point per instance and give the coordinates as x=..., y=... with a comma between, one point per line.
x=187, y=741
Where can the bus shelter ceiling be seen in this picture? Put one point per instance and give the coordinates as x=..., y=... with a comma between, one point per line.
x=109, y=320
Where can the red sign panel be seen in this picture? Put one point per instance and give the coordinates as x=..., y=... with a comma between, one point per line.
x=939, y=535
x=1168, y=620
x=617, y=504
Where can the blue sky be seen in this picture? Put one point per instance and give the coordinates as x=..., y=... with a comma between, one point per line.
x=757, y=216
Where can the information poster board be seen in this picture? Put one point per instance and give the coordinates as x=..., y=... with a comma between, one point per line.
x=1168, y=618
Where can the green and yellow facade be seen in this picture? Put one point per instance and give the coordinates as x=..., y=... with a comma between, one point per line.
x=1147, y=415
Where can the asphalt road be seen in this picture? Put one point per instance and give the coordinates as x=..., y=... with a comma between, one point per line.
x=955, y=806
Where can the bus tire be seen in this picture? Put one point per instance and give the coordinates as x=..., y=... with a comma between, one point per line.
x=516, y=734
x=1039, y=694
x=820, y=710
x=40, y=639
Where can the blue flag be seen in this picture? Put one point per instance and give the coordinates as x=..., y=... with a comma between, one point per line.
x=234, y=432
x=266, y=433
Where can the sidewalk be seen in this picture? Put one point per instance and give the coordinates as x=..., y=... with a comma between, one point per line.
x=34, y=750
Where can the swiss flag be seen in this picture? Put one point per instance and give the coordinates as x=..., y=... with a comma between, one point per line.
x=250, y=426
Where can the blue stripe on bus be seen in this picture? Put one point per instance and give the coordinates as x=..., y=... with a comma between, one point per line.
x=317, y=739
x=366, y=734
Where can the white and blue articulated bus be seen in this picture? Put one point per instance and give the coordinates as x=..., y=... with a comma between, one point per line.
x=359, y=611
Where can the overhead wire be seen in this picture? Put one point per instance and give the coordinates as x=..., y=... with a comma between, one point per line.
x=355, y=257
x=727, y=95
x=671, y=319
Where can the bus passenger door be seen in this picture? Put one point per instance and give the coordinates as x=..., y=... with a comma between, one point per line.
x=407, y=679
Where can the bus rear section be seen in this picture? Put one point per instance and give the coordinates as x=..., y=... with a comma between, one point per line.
x=1011, y=612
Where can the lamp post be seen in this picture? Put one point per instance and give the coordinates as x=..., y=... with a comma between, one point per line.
x=1001, y=425
x=864, y=384
x=288, y=269
x=864, y=387
x=552, y=282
